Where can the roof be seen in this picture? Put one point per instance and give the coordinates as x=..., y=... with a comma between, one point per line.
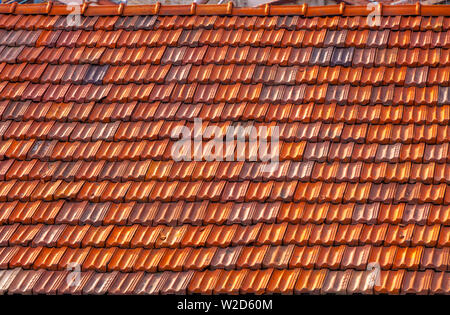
x=88, y=177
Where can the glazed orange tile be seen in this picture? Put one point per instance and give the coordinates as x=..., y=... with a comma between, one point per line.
x=348, y=234
x=146, y=236
x=121, y=236
x=204, y=282
x=25, y=257
x=310, y=281
x=444, y=238
x=98, y=259
x=256, y=281
x=425, y=235
x=49, y=258
x=272, y=234
x=323, y=234
x=437, y=215
x=282, y=281
x=315, y=213
x=173, y=259
x=252, y=257
x=148, y=260
x=195, y=236
x=230, y=282
x=213, y=215
x=304, y=256
x=330, y=257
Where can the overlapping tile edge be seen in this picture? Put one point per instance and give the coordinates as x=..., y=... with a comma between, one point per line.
x=87, y=176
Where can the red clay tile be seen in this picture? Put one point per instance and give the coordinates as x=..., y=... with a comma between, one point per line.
x=24, y=282
x=310, y=281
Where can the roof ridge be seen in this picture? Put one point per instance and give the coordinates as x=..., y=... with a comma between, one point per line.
x=88, y=9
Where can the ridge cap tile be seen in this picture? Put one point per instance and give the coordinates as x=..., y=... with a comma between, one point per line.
x=226, y=9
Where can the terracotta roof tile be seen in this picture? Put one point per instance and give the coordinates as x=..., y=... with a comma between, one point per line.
x=310, y=281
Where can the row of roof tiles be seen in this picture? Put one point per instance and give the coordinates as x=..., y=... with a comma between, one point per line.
x=384, y=173
x=206, y=213
x=231, y=191
x=213, y=73
x=162, y=150
x=138, y=260
x=209, y=76
x=339, y=134
x=280, y=257
x=217, y=93
x=247, y=113
x=289, y=56
x=220, y=37
x=161, y=236
x=267, y=281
